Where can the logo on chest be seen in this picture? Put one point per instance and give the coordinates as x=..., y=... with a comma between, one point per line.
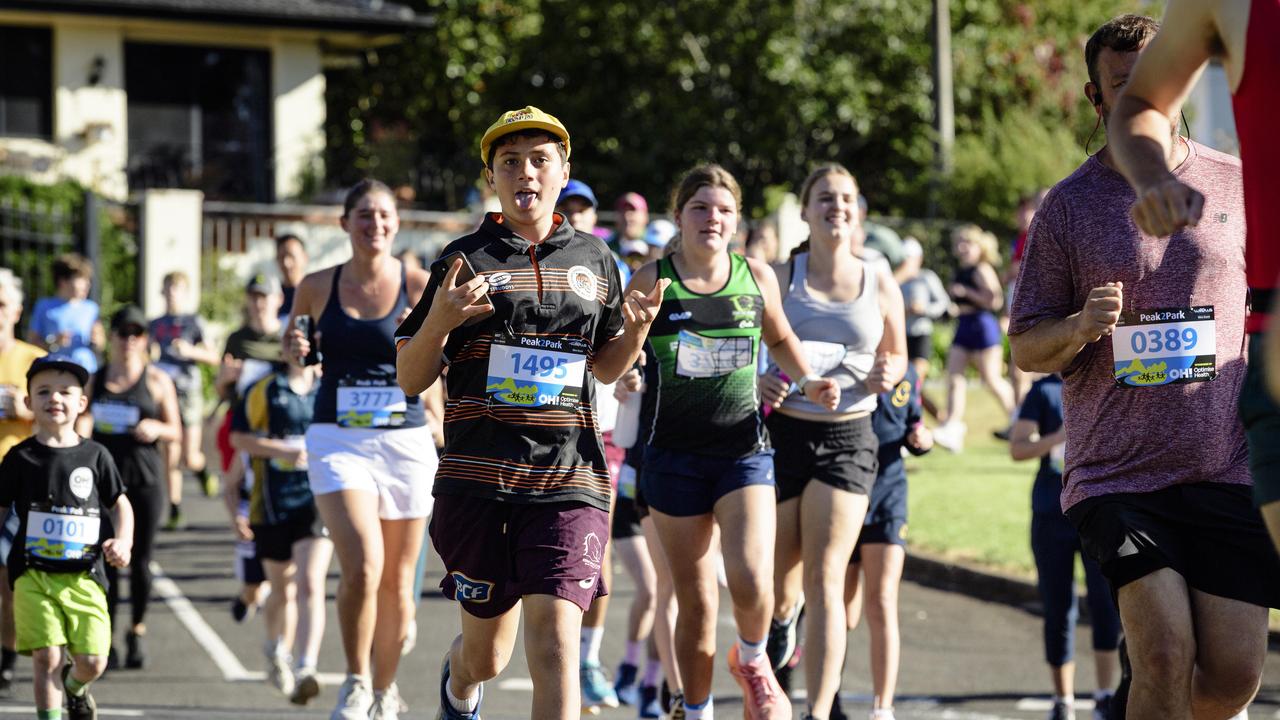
x=583, y=282
x=498, y=281
x=81, y=482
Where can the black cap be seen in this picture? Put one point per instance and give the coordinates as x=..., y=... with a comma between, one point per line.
x=128, y=315
x=57, y=363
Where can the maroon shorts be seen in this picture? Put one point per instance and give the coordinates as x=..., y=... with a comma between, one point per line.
x=495, y=553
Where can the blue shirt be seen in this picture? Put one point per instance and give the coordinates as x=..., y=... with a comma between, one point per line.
x=897, y=412
x=1043, y=406
x=53, y=316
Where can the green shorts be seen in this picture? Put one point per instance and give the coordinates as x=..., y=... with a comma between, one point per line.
x=56, y=609
x=1261, y=419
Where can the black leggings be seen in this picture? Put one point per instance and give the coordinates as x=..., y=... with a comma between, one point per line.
x=148, y=503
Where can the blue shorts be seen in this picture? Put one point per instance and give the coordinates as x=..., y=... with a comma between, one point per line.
x=977, y=331
x=684, y=484
x=7, y=533
x=888, y=532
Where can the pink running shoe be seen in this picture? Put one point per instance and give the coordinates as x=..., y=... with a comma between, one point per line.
x=762, y=696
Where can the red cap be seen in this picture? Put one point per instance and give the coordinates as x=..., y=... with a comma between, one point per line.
x=632, y=200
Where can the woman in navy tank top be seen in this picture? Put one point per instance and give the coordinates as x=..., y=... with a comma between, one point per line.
x=371, y=456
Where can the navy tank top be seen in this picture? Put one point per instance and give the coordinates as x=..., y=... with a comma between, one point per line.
x=358, y=387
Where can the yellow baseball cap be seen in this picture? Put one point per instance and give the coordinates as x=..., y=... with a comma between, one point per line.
x=522, y=119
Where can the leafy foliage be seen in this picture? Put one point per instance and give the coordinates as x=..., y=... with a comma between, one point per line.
x=766, y=89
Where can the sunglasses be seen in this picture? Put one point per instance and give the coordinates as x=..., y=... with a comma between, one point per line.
x=131, y=331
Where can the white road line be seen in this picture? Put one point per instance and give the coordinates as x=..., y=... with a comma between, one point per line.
x=30, y=711
x=228, y=664
x=1042, y=704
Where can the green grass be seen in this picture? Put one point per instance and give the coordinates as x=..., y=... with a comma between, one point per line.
x=974, y=506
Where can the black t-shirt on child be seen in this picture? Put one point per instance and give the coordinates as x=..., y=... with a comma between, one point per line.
x=62, y=497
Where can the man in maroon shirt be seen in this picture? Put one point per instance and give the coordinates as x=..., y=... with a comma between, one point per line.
x=1241, y=35
x=1148, y=335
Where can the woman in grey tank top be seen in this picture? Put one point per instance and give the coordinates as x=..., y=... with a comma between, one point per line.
x=848, y=315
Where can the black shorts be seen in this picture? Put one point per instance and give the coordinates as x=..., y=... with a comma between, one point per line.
x=1209, y=533
x=1261, y=419
x=888, y=532
x=841, y=454
x=920, y=347
x=275, y=542
x=626, y=519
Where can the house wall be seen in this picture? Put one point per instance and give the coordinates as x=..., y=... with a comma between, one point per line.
x=90, y=130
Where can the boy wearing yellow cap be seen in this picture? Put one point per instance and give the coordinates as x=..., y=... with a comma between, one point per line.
x=522, y=492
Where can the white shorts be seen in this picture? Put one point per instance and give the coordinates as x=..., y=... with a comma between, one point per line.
x=399, y=466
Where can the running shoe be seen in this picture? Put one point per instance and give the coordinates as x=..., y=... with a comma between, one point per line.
x=447, y=711
x=386, y=706
x=306, y=687
x=135, y=657
x=1003, y=433
x=675, y=710
x=354, y=700
x=781, y=643
x=762, y=697
x=650, y=705
x=176, y=520
x=242, y=611
x=1061, y=711
x=625, y=685
x=1102, y=706
x=878, y=714
x=950, y=435
x=596, y=690
x=79, y=707
x=279, y=674
x=209, y=483
x=6, y=684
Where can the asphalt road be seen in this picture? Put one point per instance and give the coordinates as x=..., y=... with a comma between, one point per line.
x=962, y=659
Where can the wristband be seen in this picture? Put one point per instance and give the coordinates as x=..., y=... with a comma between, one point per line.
x=806, y=380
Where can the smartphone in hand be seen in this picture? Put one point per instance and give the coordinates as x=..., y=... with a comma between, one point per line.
x=304, y=323
x=465, y=274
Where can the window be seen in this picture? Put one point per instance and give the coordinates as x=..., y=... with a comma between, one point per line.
x=26, y=83
x=200, y=117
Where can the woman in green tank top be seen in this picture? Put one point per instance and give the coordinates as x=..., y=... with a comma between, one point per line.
x=708, y=461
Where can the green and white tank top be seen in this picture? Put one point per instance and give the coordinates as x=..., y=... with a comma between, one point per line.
x=707, y=347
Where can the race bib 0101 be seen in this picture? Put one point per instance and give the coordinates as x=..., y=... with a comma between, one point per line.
x=370, y=404
x=535, y=372
x=699, y=356
x=113, y=418
x=57, y=536
x=1165, y=347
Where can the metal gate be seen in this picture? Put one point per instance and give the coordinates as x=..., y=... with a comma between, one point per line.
x=35, y=231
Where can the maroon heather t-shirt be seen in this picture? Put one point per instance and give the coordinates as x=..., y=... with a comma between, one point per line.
x=1142, y=439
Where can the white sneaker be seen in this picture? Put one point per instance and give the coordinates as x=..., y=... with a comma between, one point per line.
x=279, y=674
x=355, y=700
x=950, y=435
x=386, y=705
x=410, y=638
x=882, y=714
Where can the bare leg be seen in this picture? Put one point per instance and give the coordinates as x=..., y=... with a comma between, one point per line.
x=830, y=522
x=482, y=650
x=280, y=614
x=1157, y=617
x=1271, y=515
x=788, y=570
x=312, y=556
x=401, y=543
x=957, y=362
x=664, y=618
x=634, y=552
x=990, y=363
x=747, y=528
x=1231, y=645
x=46, y=667
x=853, y=594
x=883, y=562
x=551, y=648
x=687, y=545
x=172, y=460
x=352, y=519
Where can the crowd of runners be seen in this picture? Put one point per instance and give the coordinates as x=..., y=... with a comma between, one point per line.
x=546, y=398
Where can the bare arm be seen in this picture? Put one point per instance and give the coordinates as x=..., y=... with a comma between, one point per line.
x=421, y=358
x=1053, y=343
x=639, y=308
x=257, y=446
x=1138, y=133
x=119, y=550
x=168, y=427
x=1025, y=442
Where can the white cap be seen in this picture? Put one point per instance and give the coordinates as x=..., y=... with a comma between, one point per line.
x=912, y=248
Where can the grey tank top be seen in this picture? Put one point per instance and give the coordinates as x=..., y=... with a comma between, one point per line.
x=839, y=338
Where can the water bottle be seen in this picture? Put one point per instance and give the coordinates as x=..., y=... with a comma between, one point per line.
x=627, y=426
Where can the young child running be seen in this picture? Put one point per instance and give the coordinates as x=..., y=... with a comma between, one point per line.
x=59, y=484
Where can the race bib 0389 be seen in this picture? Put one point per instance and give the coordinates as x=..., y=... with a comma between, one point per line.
x=1165, y=347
